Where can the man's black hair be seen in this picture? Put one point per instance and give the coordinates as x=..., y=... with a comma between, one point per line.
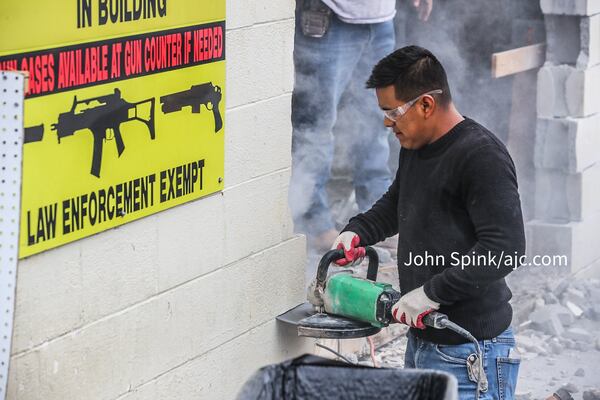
x=413, y=71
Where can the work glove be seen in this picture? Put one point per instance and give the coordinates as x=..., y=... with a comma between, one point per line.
x=348, y=241
x=412, y=307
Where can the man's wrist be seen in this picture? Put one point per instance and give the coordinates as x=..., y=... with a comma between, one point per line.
x=357, y=229
x=430, y=291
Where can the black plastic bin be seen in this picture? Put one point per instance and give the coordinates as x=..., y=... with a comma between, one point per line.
x=310, y=377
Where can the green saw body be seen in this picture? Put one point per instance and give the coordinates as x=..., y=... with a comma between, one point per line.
x=360, y=299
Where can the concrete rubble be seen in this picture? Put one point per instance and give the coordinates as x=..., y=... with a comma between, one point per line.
x=557, y=331
x=561, y=314
x=591, y=394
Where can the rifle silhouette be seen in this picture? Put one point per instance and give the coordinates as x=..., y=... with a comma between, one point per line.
x=34, y=133
x=205, y=93
x=110, y=113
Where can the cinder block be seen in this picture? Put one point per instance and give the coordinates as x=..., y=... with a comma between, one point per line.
x=191, y=241
x=63, y=289
x=570, y=7
x=564, y=315
x=259, y=139
x=239, y=14
x=565, y=91
x=585, y=186
x=567, y=144
x=551, y=91
x=590, y=42
x=259, y=62
x=573, y=40
x=574, y=308
x=249, y=12
x=562, y=39
x=578, y=334
x=576, y=297
x=49, y=290
x=220, y=373
x=529, y=344
x=562, y=197
x=547, y=322
x=256, y=215
x=119, y=268
x=578, y=241
x=125, y=350
x=274, y=10
x=582, y=88
x=287, y=225
x=552, y=199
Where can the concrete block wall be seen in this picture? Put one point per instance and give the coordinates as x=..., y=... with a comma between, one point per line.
x=570, y=7
x=567, y=160
x=573, y=38
x=181, y=304
x=567, y=91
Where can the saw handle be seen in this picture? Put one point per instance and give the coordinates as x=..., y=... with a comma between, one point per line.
x=436, y=320
x=373, y=263
x=334, y=255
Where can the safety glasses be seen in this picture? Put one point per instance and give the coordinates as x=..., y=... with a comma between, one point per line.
x=396, y=113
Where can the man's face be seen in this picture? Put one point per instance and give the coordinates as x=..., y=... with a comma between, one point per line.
x=411, y=129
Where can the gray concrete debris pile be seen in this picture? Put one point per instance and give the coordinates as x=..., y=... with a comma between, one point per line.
x=564, y=314
x=593, y=394
x=557, y=328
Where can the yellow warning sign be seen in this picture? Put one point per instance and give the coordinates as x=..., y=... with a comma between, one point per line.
x=124, y=114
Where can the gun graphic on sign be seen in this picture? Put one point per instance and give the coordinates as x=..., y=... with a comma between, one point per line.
x=205, y=93
x=99, y=114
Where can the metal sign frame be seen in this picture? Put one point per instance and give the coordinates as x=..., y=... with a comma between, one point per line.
x=12, y=93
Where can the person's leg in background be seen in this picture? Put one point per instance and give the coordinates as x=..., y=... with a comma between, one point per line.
x=369, y=137
x=323, y=68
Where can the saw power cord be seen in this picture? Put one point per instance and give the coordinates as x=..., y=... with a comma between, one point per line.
x=338, y=354
x=481, y=378
x=334, y=352
x=441, y=321
x=372, y=351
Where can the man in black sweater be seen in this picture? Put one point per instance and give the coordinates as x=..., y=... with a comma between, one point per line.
x=455, y=206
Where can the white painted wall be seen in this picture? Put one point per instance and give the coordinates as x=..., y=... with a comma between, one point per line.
x=181, y=304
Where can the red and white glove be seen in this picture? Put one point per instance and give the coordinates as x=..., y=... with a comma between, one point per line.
x=412, y=307
x=349, y=241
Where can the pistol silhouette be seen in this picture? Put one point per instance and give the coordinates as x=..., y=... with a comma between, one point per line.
x=205, y=93
x=110, y=112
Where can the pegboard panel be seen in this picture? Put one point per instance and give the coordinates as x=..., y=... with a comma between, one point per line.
x=11, y=151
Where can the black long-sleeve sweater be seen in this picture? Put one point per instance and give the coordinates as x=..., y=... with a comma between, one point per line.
x=454, y=197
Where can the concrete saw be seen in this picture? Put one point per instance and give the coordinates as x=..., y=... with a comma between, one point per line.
x=342, y=305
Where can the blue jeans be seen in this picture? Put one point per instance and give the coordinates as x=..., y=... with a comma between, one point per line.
x=500, y=366
x=330, y=70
